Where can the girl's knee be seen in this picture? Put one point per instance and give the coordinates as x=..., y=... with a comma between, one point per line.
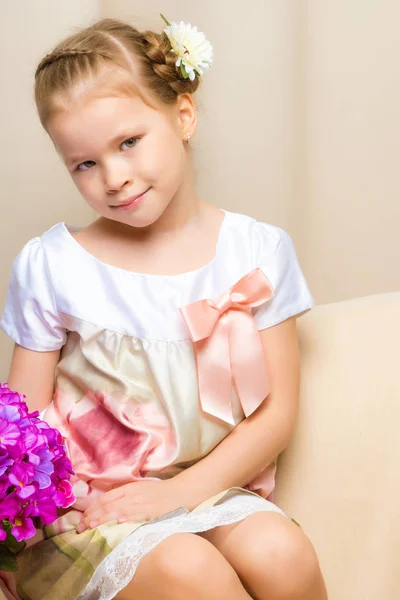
x=277, y=552
x=176, y=568
x=184, y=559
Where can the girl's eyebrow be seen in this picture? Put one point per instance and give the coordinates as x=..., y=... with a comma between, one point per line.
x=120, y=136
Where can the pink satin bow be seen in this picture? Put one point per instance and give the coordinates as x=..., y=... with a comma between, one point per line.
x=227, y=343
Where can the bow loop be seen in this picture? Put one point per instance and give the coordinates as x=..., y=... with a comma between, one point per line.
x=226, y=343
x=252, y=290
x=224, y=302
x=201, y=318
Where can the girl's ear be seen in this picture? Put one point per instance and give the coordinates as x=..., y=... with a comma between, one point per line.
x=187, y=114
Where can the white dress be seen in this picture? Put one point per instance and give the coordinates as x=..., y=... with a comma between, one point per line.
x=126, y=393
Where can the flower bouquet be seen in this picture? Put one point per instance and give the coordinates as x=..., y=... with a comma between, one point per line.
x=34, y=475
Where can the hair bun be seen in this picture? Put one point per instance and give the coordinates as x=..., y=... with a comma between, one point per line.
x=157, y=49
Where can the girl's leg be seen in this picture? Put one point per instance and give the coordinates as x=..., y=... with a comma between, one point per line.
x=184, y=567
x=273, y=557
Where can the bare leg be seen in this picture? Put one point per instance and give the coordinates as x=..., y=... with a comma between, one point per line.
x=184, y=566
x=273, y=557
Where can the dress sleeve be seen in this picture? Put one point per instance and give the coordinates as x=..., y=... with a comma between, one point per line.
x=30, y=316
x=275, y=255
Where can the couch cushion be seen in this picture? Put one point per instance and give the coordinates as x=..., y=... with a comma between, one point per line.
x=340, y=477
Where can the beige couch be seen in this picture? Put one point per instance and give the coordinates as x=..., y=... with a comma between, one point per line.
x=340, y=476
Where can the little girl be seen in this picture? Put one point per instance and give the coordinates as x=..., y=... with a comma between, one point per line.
x=160, y=340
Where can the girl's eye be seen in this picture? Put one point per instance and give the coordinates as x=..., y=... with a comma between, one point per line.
x=78, y=168
x=133, y=139
x=129, y=141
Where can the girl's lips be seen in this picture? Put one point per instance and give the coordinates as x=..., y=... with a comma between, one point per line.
x=132, y=203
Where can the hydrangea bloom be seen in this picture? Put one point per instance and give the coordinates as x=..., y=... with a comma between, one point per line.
x=34, y=473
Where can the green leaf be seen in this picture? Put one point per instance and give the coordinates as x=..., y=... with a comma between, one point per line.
x=183, y=71
x=7, y=559
x=10, y=540
x=14, y=545
x=165, y=20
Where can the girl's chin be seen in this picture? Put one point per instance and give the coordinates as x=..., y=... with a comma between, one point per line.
x=133, y=220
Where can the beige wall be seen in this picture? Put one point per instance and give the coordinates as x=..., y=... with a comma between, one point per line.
x=36, y=190
x=349, y=147
x=299, y=126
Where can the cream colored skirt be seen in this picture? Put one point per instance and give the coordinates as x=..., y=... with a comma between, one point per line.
x=118, y=568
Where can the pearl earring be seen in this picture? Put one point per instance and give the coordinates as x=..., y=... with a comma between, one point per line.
x=188, y=137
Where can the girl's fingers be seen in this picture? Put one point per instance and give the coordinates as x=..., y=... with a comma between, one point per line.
x=122, y=519
x=101, y=517
x=96, y=513
x=91, y=522
x=141, y=518
x=106, y=498
x=97, y=517
x=112, y=496
x=105, y=518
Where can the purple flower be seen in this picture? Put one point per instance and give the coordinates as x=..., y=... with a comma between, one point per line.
x=34, y=469
x=4, y=486
x=63, y=468
x=5, y=461
x=23, y=527
x=64, y=496
x=22, y=479
x=33, y=439
x=9, y=433
x=10, y=414
x=44, y=505
x=10, y=398
x=9, y=508
x=44, y=469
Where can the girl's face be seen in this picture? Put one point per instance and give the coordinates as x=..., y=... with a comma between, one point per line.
x=116, y=148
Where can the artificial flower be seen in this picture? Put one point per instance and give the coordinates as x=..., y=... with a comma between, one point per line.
x=34, y=474
x=193, y=49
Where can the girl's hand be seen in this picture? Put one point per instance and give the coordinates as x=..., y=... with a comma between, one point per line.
x=136, y=501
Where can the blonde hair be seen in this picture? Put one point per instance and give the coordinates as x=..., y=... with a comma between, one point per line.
x=109, y=57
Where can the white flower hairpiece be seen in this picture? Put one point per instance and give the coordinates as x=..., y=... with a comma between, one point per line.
x=194, y=51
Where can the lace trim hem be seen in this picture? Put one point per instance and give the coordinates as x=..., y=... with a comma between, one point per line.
x=118, y=568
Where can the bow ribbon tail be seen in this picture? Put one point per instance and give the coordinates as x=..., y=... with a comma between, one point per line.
x=214, y=372
x=248, y=363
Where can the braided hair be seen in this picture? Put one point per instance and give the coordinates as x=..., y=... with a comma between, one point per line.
x=110, y=54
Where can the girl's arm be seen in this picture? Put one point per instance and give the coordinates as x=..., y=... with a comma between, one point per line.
x=258, y=439
x=32, y=373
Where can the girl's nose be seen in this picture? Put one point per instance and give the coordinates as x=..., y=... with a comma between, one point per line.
x=116, y=187
x=116, y=179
